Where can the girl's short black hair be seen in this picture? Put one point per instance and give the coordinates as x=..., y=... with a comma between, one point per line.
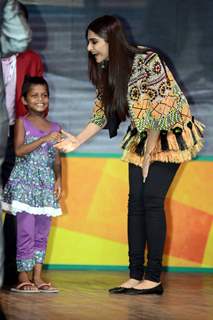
x=31, y=81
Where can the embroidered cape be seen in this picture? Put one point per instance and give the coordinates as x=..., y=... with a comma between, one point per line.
x=156, y=102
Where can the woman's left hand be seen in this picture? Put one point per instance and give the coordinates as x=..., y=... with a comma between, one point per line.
x=146, y=164
x=57, y=189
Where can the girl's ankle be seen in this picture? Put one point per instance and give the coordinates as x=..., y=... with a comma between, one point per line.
x=23, y=277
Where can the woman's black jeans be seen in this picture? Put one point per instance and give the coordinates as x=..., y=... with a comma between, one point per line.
x=146, y=218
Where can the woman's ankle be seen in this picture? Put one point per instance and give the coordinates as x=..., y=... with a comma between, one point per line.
x=147, y=284
x=131, y=282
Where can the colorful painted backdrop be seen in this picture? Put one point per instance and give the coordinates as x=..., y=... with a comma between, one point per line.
x=92, y=230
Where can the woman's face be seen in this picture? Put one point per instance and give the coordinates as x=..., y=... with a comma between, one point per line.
x=98, y=47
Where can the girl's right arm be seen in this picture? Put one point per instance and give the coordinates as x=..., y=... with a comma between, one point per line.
x=21, y=148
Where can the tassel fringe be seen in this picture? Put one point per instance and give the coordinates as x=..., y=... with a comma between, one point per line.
x=180, y=148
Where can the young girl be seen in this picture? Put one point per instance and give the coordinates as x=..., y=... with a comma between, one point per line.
x=34, y=186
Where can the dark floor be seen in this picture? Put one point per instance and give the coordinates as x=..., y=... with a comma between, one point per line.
x=84, y=296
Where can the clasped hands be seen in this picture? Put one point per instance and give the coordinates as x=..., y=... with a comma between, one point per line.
x=68, y=142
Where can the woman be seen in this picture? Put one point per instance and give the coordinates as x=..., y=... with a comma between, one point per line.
x=134, y=83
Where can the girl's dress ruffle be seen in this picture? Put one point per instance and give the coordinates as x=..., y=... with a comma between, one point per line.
x=17, y=207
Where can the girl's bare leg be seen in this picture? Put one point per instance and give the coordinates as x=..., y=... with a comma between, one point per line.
x=37, y=270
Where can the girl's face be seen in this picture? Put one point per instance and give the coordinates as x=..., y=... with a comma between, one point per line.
x=37, y=99
x=97, y=46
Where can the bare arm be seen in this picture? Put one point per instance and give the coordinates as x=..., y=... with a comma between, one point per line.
x=150, y=145
x=21, y=148
x=57, y=171
x=151, y=140
x=71, y=143
x=57, y=166
x=89, y=131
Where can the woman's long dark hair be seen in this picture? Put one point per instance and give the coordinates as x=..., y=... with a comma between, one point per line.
x=112, y=79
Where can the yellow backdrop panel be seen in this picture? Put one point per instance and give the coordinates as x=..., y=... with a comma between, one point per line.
x=93, y=228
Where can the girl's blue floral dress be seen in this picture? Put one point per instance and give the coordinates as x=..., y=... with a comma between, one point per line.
x=30, y=187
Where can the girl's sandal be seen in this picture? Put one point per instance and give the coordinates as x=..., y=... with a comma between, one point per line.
x=20, y=288
x=47, y=288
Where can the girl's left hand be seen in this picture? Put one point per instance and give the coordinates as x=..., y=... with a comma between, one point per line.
x=57, y=189
x=146, y=164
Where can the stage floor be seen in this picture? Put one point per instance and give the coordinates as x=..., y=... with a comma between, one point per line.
x=84, y=296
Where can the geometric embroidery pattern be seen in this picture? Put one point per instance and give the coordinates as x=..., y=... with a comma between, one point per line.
x=155, y=100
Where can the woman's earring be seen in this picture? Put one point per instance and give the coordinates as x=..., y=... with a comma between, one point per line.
x=103, y=64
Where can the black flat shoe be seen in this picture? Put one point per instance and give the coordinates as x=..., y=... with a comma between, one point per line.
x=156, y=290
x=118, y=290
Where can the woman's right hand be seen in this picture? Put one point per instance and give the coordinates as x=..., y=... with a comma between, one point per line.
x=70, y=142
